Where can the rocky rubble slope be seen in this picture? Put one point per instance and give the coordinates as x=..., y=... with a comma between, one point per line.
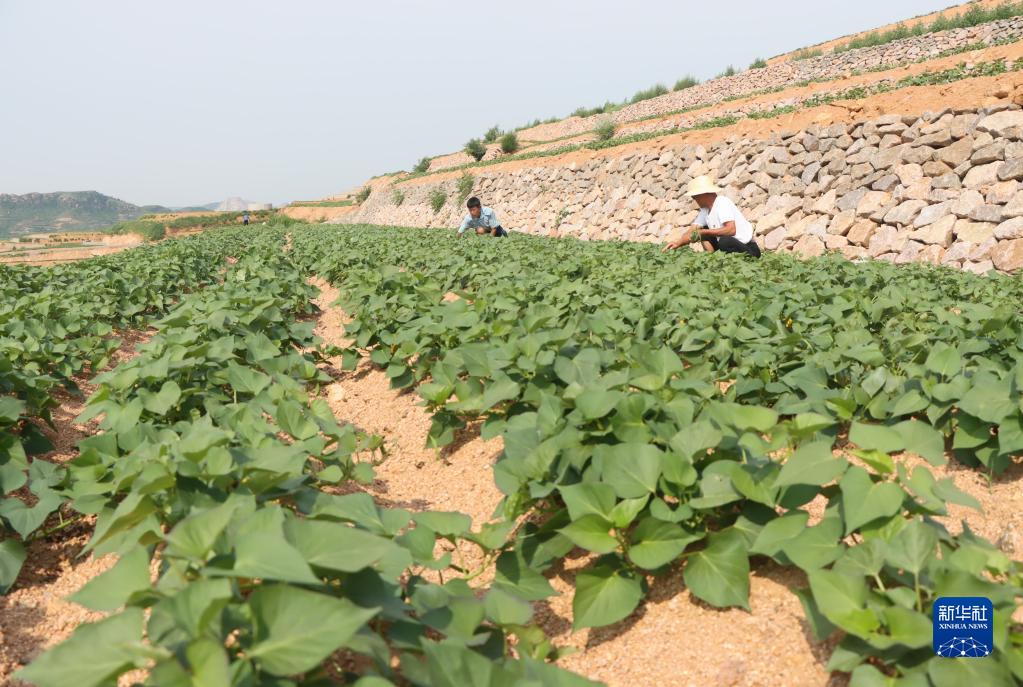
x=777, y=76
x=941, y=187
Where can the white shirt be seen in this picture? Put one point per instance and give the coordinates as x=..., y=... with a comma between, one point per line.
x=723, y=211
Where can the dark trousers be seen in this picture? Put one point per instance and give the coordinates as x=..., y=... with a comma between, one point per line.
x=496, y=231
x=730, y=244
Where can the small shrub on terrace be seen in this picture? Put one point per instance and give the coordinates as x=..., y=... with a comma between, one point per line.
x=475, y=149
x=729, y=71
x=149, y=231
x=685, y=82
x=806, y=54
x=492, y=134
x=437, y=199
x=599, y=109
x=510, y=143
x=422, y=166
x=758, y=63
x=648, y=93
x=363, y=194
x=465, y=183
x=605, y=130
x=397, y=197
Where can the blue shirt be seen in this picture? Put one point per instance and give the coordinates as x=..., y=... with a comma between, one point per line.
x=487, y=218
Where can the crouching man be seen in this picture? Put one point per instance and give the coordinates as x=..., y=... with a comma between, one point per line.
x=720, y=225
x=481, y=219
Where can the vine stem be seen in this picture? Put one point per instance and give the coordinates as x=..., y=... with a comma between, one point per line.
x=39, y=534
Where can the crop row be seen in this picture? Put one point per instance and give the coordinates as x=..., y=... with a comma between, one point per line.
x=59, y=323
x=216, y=467
x=706, y=411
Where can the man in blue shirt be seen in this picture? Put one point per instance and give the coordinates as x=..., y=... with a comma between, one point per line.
x=482, y=220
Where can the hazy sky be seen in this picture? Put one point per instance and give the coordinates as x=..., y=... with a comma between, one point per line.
x=187, y=102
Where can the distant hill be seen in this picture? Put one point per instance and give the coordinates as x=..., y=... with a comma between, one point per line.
x=65, y=211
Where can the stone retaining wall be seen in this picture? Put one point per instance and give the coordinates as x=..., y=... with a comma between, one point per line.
x=943, y=188
x=829, y=66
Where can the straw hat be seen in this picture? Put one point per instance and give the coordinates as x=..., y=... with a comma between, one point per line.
x=701, y=185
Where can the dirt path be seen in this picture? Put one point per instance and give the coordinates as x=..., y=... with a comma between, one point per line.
x=414, y=477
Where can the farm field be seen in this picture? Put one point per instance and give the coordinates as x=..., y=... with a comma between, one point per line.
x=314, y=453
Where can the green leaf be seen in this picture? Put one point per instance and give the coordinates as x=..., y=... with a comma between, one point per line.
x=595, y=403
x=444, y=523
x=842, y=599
x=811, y=464
x=604, y=594
x=194, y=536
x=266, y=554
x=504, y=608
x=656, y=543
x=882, y=463
x=908, y=627
x=719, y=574
x=160, y=403
x=297, y=629
x=334, y=545
x=944, y=360
x=923, y=440
x=864, y=502
x=631, y=469
x=876, y=437
x=590, y=532
x=10, y=409
x=94, y=654
x=694, y=439
x=816, y=546
x=625, y=511
x=26, y=519
x=246, y=379
x=111, y=589
x=12, y=557
x=296, y=420
x=988, y=400
x=209, y=663
x=913, y=547
x=957, y=672
x=778, y=531
x=743, y=417
x=588, y=498
x=583, y=369
x=514, y=573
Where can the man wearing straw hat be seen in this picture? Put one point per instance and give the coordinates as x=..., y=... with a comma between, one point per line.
x=720, y=225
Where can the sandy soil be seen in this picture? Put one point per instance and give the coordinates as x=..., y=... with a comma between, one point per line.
x=34, y=615
x=53, y=257
x=318, y=214
x=413, y=476
x=47, y=254
x=827, y=46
